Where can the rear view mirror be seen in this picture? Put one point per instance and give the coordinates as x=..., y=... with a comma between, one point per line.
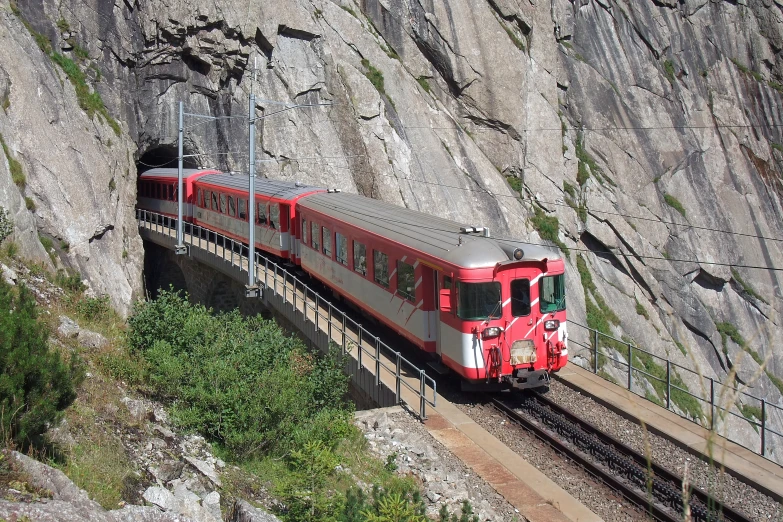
x=445, y=300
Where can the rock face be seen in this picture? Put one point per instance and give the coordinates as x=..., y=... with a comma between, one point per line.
x=651, y=130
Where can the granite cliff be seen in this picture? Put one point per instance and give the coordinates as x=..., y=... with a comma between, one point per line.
x=650, y=130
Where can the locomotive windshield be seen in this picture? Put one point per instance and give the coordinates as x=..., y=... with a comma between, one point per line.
x=552, y=293
x=478, y=301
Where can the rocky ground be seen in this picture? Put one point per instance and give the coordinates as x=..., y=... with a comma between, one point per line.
x=396, y=434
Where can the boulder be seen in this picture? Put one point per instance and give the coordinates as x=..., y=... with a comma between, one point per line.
x=68, y=328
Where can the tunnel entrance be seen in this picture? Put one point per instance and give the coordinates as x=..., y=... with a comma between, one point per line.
x=163, y=156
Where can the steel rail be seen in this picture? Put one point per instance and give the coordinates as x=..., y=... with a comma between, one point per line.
x=644, y=483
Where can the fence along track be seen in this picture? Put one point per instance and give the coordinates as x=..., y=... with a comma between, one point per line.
x=644, y=483
x=368, y=357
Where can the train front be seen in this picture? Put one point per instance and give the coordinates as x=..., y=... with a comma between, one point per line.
x=516, y=320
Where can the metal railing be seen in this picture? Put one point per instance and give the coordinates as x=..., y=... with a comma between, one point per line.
x=303, y=305
x=666, y=380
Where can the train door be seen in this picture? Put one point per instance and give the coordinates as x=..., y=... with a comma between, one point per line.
x=443, y=282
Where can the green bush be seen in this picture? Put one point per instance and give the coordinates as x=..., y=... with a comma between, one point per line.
x=239, y=381
x=71, y=282
x=36, y=385
x=93, y=307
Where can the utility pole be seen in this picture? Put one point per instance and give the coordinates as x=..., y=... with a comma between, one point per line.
x=180, y=248
x=252, y=289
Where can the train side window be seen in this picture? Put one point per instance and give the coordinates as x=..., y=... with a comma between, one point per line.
x=157, y=191
x=215, y=206
x=199, y=196
x=274, y=215
x=232, y=209
x=260, y=213
x=171, y=192
x=341, y=248
x=381, y=268
x=406, y=281
x=520, y=297
x=316, y=233
x=360, y=258
x=222, y=203
x=176, y=194
x=304, y=231
x=447, y=283
x=327, y=240
x=242, y=209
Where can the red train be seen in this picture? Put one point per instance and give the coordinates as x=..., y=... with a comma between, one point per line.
x=492, y=310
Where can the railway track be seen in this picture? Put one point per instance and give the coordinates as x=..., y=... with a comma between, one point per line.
x=642, y=482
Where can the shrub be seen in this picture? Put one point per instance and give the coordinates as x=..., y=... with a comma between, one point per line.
x=93, y=307
x=668, y=68
x=746, y=287
x=71, y=282
x=6, y=225
x=36, y=385
x=375, y=76
x=29, y=203
x=239, y=381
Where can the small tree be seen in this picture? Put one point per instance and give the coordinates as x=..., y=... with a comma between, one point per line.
x=36, y=385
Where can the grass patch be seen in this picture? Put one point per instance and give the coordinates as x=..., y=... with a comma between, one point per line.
x=569, y=189
x=777, y=146
x=599, y=316
x=682, y=348
x=674, y=203
x=90, y=102
x=775, y=85
x=728, y=330
x=101, y=468
x=17, y=174
x=775, y=380
x=747, y=71
x=746, y=287
x=668, y=69
x=607, y=376
x=424, y=83
x=548, y=228
x=641, y=310
x=657, y=378
x=752, y=413
x=349, y=11
x=515, y=183
x=514, y=38
x=29, y=203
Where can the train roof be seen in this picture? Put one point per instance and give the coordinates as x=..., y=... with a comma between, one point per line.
x=270, y=188
x=174, y=173
x=431, y=235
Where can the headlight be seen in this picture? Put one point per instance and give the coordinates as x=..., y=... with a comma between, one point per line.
x=551, y=324
x=492, y=331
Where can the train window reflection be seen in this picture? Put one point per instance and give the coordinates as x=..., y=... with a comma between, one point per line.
x=315, y=230
x=520, y=297
x=242, y=211
x=327, y=242
x=232, y=210
x=551, y=293
x=381, y=268
x=341, y=248
x=274, y=215
x=222, y=203
x=261, y=213
x=360, y=258
x=405, y=281
x=304, y=231
x=478, y=301
x=215, y=202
